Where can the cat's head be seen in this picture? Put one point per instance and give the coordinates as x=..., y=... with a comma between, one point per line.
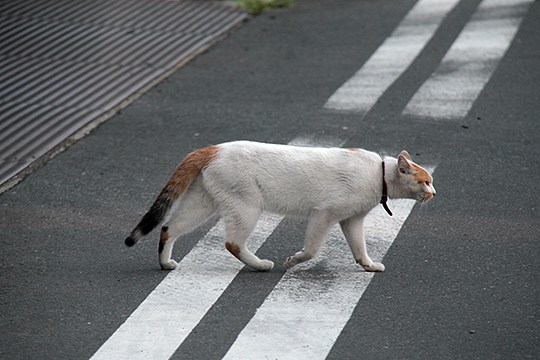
x=414, y=180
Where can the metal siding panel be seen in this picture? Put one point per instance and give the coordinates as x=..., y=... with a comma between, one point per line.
x=65, y=63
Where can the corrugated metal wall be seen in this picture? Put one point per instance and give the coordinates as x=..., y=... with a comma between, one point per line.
x=64, y=63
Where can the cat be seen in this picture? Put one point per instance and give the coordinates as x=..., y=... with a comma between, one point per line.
x=239, y=180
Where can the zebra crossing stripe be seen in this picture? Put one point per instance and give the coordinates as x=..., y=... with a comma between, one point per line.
x=469, y=63
x=166, y=317
x=392, y=58
x=308, y=308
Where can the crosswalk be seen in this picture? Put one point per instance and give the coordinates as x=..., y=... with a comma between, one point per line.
x=392, y=58
x=167, y=316
x=306, y=311
x=453, y=87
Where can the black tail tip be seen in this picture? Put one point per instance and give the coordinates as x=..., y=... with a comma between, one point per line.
x=130, y=241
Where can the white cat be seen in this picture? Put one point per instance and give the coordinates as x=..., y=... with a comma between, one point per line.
x=239, y=180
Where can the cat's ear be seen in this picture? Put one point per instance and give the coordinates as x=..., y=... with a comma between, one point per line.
x=404, y=165
x=405, y=154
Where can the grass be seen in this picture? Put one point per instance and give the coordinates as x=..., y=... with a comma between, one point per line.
x=256, y=7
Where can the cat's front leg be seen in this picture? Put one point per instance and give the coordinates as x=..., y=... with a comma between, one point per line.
x=353, y=229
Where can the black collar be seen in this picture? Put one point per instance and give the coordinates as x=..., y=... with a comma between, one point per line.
x=384, y=196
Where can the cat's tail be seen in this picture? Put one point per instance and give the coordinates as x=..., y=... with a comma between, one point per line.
x=153, y=217
x=182, y=178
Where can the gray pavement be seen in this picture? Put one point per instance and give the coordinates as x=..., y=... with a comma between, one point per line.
x=461, y=279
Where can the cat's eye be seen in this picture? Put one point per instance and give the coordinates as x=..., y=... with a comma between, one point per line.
x=427, y=183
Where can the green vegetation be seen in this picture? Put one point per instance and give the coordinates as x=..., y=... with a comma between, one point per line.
x=255, y=7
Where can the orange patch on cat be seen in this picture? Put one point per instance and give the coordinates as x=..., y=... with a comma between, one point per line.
x=351, y=149
x=233, y=249
x=421, y=174
x=163, y=238
x=164, y=235
x=189, y=169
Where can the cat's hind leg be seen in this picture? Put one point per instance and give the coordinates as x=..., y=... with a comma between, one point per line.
x=317, y=230
x=238, y=227
x=353, y=229
x=189, y=213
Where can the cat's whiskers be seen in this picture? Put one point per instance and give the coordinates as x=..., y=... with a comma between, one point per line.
x=423, y=198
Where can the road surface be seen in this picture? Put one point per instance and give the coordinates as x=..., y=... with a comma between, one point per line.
x=453, y=82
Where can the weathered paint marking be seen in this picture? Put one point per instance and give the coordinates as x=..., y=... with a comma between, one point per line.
x=166, y=317
x=392, y=58
x=452, y=89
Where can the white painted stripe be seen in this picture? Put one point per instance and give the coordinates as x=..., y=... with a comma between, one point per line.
x=392, y=58
x=469, y=63
x=317, y=141
x=170, y=312
x=167, y=316
x=307, y=310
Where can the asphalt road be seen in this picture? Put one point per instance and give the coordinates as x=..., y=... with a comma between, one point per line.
x=462, y=275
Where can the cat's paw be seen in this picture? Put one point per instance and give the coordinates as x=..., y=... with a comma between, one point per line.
x=374, y=267
x=170, y=265
x=265, y=265
x=290, y=262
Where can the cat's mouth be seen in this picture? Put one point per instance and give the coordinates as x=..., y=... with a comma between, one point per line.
x=424, y=197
